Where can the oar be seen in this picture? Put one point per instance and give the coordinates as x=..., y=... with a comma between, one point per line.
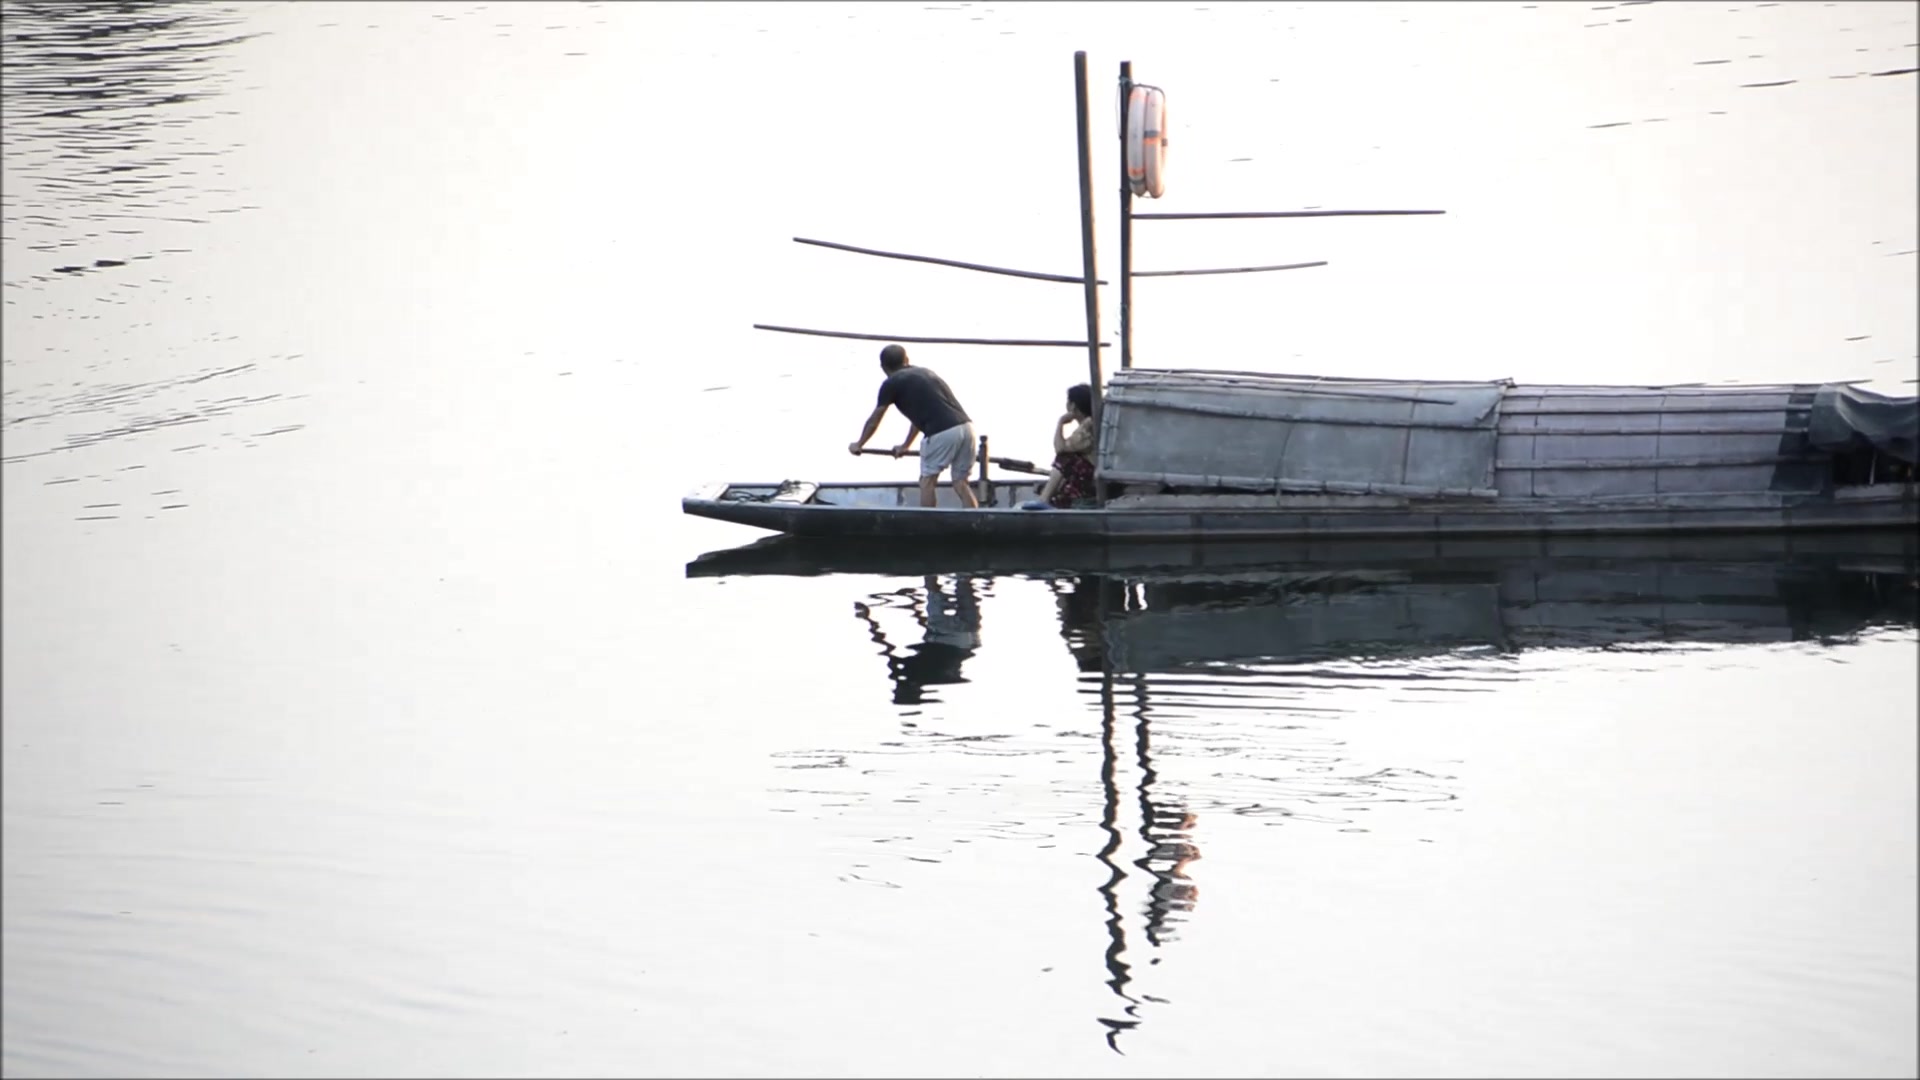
x=1007, y=463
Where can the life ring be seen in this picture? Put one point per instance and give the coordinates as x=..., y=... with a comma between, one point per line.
x=1147, y=141
x=1136, y=140
x=1156, y=135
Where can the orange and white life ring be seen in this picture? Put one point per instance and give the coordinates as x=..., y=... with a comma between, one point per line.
x=1147, y=141
x=1136, y=140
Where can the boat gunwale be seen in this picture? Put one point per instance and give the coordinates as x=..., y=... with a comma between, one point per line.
x=1891, y=491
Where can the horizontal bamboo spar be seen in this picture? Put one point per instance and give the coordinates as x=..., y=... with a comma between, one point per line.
x=1137, y=393
x=925, y=340
x=1284, y=214
x=1307, y=420
x=1230, y=270
x=1034, y=274
x=1287, y=377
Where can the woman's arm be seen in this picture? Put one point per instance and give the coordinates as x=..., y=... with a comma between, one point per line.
x=1081, y=441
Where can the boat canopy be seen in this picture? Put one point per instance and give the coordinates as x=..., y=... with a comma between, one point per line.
x=1846, y=418
x=1255, y=432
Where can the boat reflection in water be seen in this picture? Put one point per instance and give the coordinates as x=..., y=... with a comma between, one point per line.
x=1155, y=637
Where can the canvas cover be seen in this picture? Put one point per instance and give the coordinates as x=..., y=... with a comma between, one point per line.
x=1252, y=432
x=1847, y=418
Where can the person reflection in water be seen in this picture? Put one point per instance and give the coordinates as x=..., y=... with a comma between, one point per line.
x=1169, y=831
x=952, y=625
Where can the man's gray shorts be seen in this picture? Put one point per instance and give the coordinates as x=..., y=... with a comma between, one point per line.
x=951, y=448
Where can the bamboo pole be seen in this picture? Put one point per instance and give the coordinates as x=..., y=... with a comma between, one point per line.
x=931, y=340
x=1034, y=274
x=1126, y=225
x=1285, y=376
x=1019, y=465
x=1282, y=214
x=1087, y=264
x=1228, y=270
x=1229, y=413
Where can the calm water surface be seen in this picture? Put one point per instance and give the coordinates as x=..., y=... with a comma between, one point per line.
x=370, y=708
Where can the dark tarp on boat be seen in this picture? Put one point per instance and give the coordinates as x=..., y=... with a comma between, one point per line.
x=1253, y=432
x=1845, y=418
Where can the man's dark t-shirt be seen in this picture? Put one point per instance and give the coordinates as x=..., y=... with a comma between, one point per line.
x=924, y=398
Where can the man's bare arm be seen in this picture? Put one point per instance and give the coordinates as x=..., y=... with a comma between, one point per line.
x=873, y=425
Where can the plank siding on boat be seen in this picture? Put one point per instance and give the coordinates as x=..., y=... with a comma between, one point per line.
x=1609, y=443
x=1734, y=423
x=1705, y=480
x=1673, y=450
x=1636, y=463
x=1566, y=483
x=1250, y=501
x=1523, y=425
x=1676, y=408
x=1288, y=485
x=1550, y=450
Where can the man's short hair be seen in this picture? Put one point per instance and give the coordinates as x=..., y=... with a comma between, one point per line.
x=893, y=358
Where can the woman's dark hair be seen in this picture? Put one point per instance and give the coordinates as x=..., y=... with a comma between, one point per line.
x=1081, y=397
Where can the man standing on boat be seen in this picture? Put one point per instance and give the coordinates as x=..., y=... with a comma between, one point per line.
x=930, y=407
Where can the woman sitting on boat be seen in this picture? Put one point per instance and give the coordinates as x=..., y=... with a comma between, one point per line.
x=1071, y=478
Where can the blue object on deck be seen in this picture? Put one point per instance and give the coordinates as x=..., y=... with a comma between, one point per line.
x=1034, y=504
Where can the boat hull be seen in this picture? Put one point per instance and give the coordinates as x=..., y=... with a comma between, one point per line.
x=888, y=511
x=1887, y=550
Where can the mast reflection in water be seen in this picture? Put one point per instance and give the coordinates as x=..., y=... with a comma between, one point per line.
x=1165, y=828
x=1224, y=654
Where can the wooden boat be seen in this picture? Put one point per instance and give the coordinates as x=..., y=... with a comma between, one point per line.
x=1891, y=552
x=1186, y=455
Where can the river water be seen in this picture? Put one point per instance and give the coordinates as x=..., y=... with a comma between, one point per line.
x=371, y=709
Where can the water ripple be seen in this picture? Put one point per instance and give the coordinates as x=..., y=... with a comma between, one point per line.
x=102, y=103
x=115, y=165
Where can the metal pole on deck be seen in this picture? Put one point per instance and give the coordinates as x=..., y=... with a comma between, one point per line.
x=1126, y=225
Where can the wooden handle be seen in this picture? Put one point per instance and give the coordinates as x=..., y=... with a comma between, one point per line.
x=1010, y=464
